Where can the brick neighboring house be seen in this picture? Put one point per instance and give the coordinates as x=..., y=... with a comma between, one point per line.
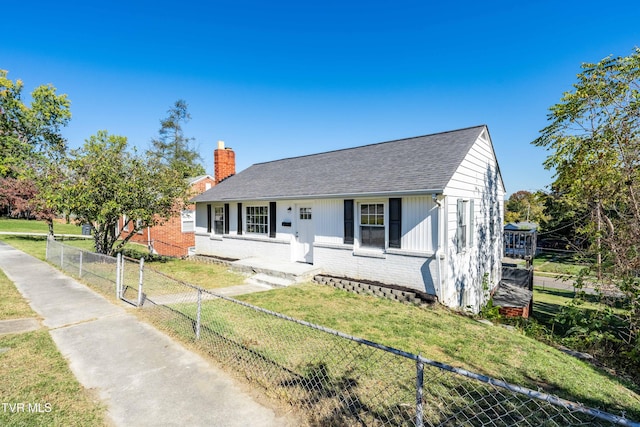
x=176, y=237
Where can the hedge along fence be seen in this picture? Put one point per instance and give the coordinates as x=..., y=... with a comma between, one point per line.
x=336, y=378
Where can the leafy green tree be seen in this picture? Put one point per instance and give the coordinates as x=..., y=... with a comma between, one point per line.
x=171, y=148
x=562, y=221
x=525, y=206
x=106, y=181
x=30, y=134
x=32, y=146
x=594, y=143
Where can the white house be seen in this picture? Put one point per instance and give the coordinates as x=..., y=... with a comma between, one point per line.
x=424, y=213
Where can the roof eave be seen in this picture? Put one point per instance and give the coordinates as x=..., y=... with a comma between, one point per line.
x=331, y=196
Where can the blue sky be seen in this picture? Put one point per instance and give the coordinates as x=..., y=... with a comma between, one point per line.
x=279, y=79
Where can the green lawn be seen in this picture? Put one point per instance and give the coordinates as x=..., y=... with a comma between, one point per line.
x=207, y=276
x=557, y=264
x=548, y=302
x=36, y=245
x=435, y=333
x=34, y=372
x=438, y=334
x=33, y=226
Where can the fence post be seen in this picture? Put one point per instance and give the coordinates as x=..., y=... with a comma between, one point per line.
x=419, y=391
x=122, y=284
x=80, y=269
x=198, y=314
x=140, y=282
x=118, y=284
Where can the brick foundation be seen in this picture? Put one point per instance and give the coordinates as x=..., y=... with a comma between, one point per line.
x=516, y=311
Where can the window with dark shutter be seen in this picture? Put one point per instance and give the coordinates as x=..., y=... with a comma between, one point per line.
x=257, y=220
x=372, y=225
x=218, y=220
x=395, y=222
x=348, y=222
x=208, y=218
x=239, y=218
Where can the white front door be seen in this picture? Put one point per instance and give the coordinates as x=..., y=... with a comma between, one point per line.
x=304, y=234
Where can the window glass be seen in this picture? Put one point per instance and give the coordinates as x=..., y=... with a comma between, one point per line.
x=257, y=219
x=218, y=219
x=372, y=230
x=305, y=213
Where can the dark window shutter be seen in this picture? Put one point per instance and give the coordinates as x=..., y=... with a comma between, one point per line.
x=239, y=218
x=348, y=222
x=226, y=218
x=272, y=219
x=208, y=218
x=395, y=222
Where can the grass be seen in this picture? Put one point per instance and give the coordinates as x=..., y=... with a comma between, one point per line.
x=33, y=226
x=33, y=245
x=437, y=334
x=547, y=302
x=37, y=245
x=34, y=372
x=12, y=305
x=557, y=264
x=207, y=276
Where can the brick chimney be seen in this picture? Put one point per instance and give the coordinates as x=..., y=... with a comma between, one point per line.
x=224, y=162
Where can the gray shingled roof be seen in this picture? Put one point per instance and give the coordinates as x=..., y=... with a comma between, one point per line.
x=424, y=163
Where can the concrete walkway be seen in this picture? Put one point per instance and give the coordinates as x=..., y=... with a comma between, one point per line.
x=144, y=377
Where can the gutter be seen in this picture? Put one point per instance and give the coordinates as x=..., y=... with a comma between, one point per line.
x=432, y=191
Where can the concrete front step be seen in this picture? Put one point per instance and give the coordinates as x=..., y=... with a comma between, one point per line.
x=294, y=272
x=268, y=280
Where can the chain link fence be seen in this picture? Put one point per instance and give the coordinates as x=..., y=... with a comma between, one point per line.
x=97, y=269
x=339, y=380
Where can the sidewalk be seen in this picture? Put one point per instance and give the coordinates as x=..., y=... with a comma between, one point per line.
x=144, y=377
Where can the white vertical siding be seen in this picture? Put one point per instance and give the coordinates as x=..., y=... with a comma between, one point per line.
x=201, y=217
x=478, y=179
x=328, y=219
x=284, y=215
x=419, y=224
x=233, y=218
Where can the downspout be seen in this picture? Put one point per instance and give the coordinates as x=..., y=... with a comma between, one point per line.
x=439, y=255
